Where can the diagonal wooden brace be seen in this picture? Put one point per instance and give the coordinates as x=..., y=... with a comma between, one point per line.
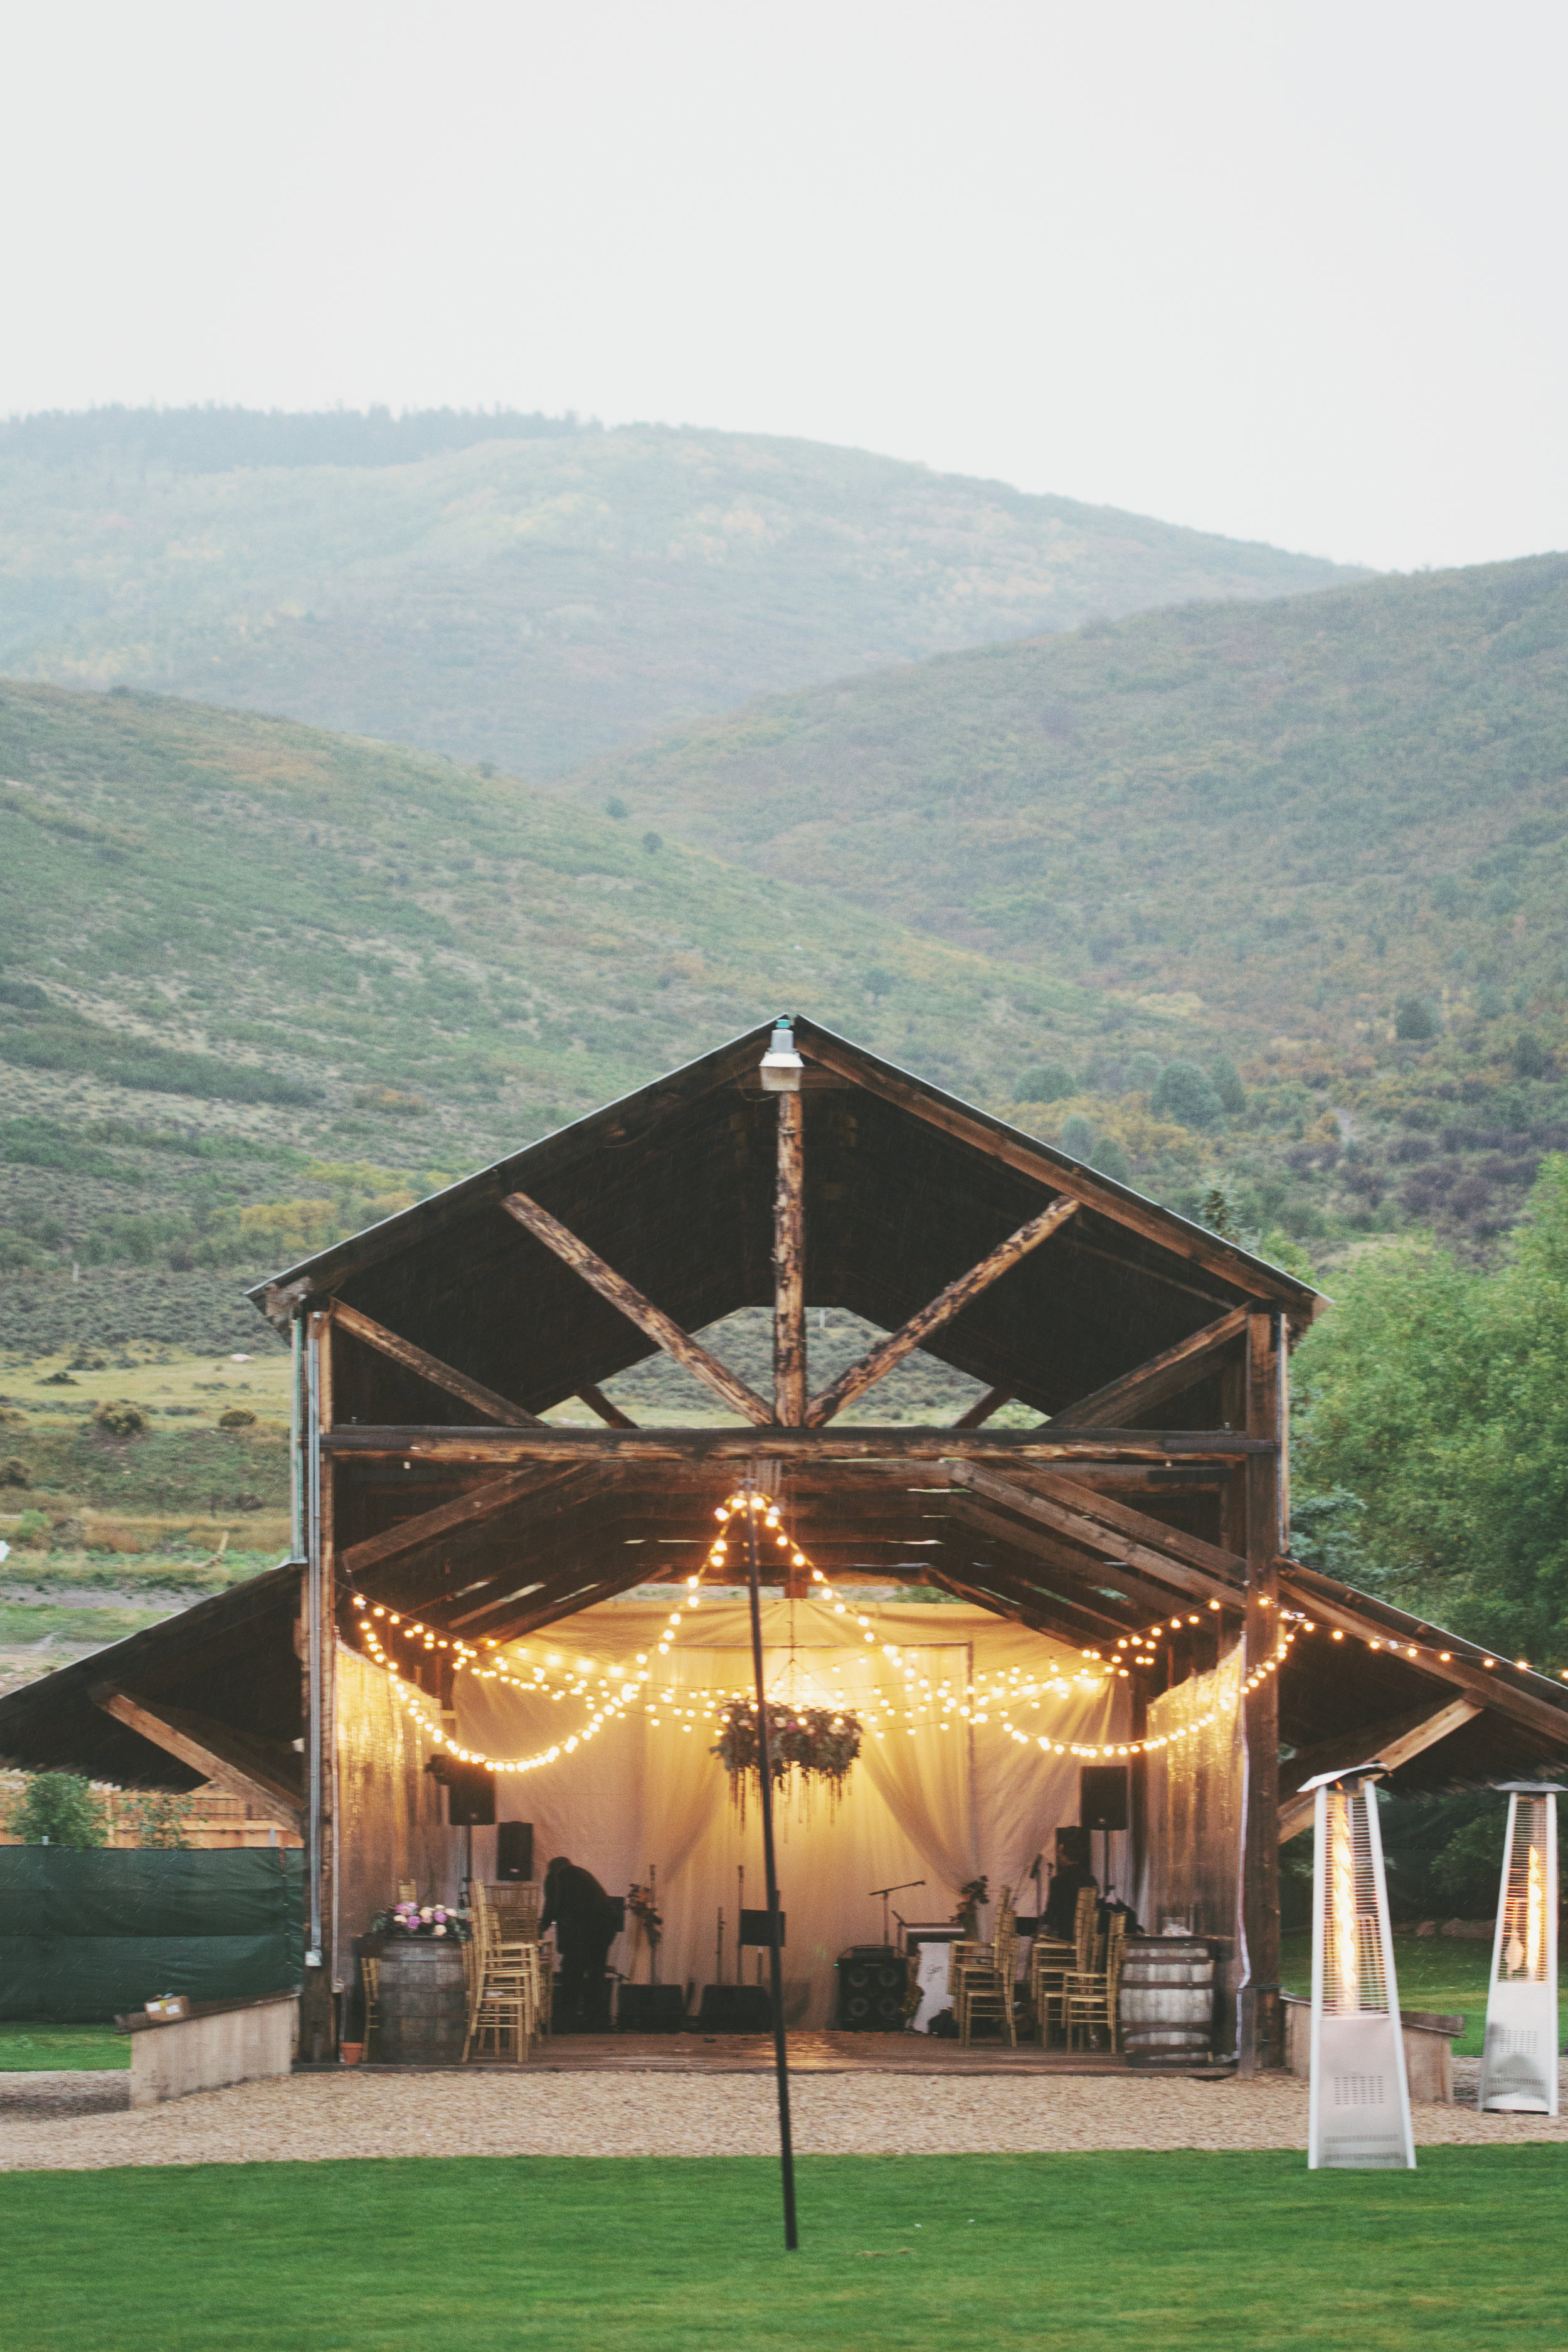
x=941, y=1309
x=215, y=1750
x=650, y=1320
x=430, y=1367
x=1149, y=1384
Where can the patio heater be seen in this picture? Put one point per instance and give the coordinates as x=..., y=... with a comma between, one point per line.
x=1519, y=2059
x=1359, y=2112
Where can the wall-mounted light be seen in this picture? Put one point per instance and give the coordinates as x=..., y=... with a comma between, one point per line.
x=780, y=1064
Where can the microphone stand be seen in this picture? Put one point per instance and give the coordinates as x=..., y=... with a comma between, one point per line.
x=902, y=1888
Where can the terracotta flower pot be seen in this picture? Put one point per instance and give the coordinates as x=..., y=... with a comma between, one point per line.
x=351, y=2052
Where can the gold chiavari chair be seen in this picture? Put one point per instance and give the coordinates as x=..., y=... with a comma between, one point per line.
x=1092, y=1995
x=1078, y=1959
x=369, y=1970
x=985, y=1987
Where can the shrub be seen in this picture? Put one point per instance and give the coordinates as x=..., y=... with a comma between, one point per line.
x=1187, y=1096
x=1143, y=1073
x=33, y=1529
x=653, y=843
x=1491, y=1004
x=1077, y=1138
x=1415, y=1020
x=1111, y=1161
x=237, y=1417
x=1529, y=1057
x=878, y=982
x=616, y=808
x=120, y=1418
x=159, y=1820
x=1226, y=1080
x=57, y=1808
x=14, y=1473
x=1047, y=1082
x=392, y=1101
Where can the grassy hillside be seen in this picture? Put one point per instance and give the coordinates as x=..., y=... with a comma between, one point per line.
x=536, y=599
x=259, y=985
x=1282, y=832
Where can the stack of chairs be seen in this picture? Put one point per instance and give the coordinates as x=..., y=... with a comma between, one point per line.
x=1090, y=1995
x=509, y=1973
x=984, y=1986
x=1051, y=1964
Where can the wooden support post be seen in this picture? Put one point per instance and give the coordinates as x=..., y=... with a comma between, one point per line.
x=318, y=2009
x=610, y=1414
x=1261, y=2039
x=789, y=1266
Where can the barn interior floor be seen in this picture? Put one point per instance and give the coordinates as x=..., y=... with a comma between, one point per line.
x=809, y=2053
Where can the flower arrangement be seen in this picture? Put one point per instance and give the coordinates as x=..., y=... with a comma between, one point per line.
x=814, y=1743
x=970, y=1898
x=432, y=1919
x=640, y=1904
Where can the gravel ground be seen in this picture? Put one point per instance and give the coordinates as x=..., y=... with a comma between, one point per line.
x=322, y=2116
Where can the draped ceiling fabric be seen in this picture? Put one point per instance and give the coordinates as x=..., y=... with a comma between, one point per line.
x=931, y=1796
x=1196, y=1799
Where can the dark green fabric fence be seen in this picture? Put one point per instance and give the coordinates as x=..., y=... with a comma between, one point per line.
x=87, y=1935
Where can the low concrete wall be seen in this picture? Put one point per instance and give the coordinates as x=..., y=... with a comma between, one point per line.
x=219, y=2042
x=1428, y=2050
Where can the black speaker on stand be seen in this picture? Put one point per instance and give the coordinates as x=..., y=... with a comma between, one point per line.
x=514, y=1850
x=1102, y=1796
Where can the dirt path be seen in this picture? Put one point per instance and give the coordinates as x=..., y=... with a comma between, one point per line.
x=78, y=2122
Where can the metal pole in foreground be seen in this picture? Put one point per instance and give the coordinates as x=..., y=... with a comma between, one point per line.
x=776, y=1959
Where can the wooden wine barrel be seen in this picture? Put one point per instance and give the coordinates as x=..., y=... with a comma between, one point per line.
x=423, y=2002
x=1167, y=2004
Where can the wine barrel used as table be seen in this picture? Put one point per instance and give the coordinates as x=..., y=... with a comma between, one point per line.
x=422, y=2002
x=1167, y=2004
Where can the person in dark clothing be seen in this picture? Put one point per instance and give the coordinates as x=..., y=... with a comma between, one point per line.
x=1061, y=1906
x=587, y=1923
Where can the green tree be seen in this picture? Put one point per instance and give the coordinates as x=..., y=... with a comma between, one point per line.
x=1077, y=1138
x=1111, y=1161
x=1185, y=1094
x=1530, y=1058
x=1047, y=1082
x=1228, y=1084
x=1438, y=1395
x=57, y=1808
x=1415, y=1020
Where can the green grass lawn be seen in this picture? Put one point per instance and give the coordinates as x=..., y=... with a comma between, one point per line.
x=1067, y=2253
x=28, y=2048
x=1434, y=1971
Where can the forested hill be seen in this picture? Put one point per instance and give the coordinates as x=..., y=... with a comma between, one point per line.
x=258, y=984
x=1291, y=810
x=524, y=590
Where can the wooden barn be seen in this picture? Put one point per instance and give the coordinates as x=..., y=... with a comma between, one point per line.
x=1126, y=1530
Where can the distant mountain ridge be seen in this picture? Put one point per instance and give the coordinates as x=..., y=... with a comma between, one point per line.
x=533, y=591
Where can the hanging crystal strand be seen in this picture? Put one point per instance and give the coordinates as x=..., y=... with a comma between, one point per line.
x=1519, y=2059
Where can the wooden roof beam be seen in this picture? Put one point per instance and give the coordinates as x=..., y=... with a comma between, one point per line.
x=651, y=1320
x=375, y=1334
x=942, y=1310
x=437, y=1443
x=1391, y=1744
x=1166, y=1375
x=983, y=1407
x=1095, y=1523
x=1142, y=1217
x=597, y=1402
x=220, y=1754
x=1151, y=1603
x=482, y=1502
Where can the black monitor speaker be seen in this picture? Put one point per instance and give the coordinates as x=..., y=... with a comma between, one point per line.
x=514, y=1850
x=872, y=1980
x=1102, y=1796
x=470, y=1797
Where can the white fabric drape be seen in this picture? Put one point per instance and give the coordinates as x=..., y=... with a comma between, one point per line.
x=932, y=1797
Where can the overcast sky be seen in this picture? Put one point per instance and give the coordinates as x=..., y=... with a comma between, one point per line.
x=1293, y=272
